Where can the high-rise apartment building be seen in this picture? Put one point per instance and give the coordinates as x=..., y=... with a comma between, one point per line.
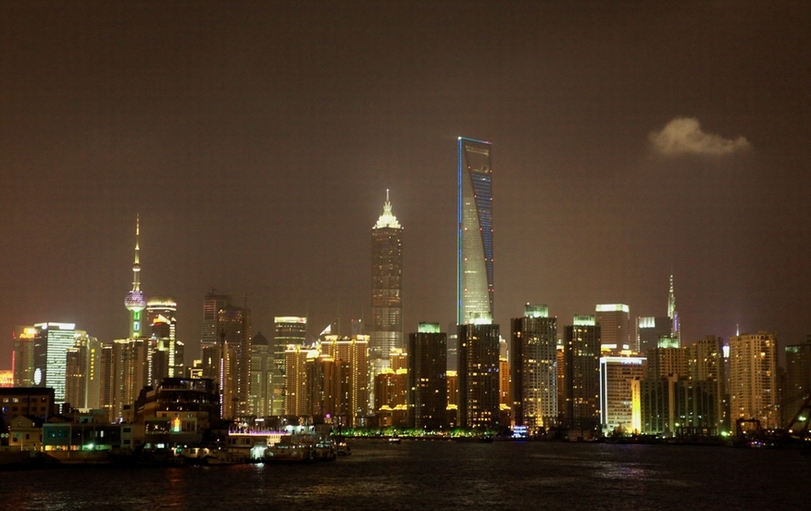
x=753, y=378
x=475, y=233
x=615, y=327
x=581, y=355
x=386, y=332
x=427, y=364
x=533, y=369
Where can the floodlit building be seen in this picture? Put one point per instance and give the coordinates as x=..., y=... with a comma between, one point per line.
x=166, y=351
x=475, y=234
x=620, y=406
x=533, y=369
x=615, y=327
x=649, y=329
x=22, y=358
x=386, y=331
x=51, y=344
x=478, y=346
x=753, y=378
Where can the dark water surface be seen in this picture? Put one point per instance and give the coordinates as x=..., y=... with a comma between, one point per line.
x=442, y=475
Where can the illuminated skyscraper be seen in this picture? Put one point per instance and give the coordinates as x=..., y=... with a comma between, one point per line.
x=619, y=404
x=22, y=358
x=387, y=286
x=753, y=378
x=649, y=329
x=475, y=233
x=615, y=327
x=533, y=362
x=582, y=374
x=478, y=339
x=166, y=351
x=51, y=344
x=135, y=301
x=673, y=314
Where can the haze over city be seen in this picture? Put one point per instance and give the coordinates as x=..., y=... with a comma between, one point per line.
x=257, y=141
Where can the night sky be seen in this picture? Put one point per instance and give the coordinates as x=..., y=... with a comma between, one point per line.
x=257, y=141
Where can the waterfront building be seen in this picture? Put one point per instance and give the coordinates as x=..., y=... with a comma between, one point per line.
x=615, y=327
x=51, y=344
x=649, y=329
x=534, y=369
x=234, y=326
x=296, y=401
x=391, y=397
x=386, y=332
x=37, y=402
x=582, y=374
x=83, y=372
x=135, y=302
x=288, y=330
x=705, y=363
x=427, y=402
x=798, y=379
x=22, y=358
x=620, y=410
x=129, y=373
x=478, y=376
x=753, y=378
x=478, y=346
x=262, y=366
x=352, y=354
x=655, y=405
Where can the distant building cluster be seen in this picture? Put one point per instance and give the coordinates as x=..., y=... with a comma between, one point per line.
x=602, y=374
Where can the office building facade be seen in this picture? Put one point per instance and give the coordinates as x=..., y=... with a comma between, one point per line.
x=386, y=331
x=428, y=388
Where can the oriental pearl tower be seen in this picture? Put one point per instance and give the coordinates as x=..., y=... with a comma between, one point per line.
x=135, y=301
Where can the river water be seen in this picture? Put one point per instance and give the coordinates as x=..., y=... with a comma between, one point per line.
x=441, y=475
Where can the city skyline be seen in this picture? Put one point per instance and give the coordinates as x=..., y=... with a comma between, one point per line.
x=255, y=144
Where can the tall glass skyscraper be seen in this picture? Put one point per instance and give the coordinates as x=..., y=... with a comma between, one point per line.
x=478, y=339
x=386, y=333
x=475, y=236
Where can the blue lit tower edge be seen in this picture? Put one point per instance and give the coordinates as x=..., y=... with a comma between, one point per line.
x=135, y=301
x=474, y=250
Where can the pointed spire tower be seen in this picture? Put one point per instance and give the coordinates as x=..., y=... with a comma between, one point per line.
x=386, y=331
x=673, y=314
x=135, y=301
